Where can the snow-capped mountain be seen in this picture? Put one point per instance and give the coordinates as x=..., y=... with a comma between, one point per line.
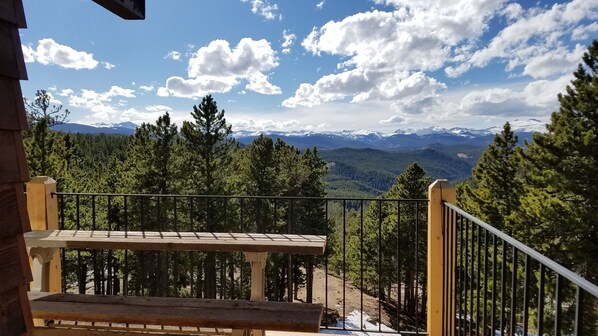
x=401, y=139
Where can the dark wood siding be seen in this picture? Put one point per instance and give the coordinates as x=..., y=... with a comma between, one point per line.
x=15, y=274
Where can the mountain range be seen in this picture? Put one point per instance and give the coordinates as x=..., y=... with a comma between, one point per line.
x=400, y=140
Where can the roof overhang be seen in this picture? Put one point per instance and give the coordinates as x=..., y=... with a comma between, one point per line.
x=126, y=9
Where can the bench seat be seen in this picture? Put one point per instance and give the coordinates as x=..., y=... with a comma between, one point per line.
x=184, y=312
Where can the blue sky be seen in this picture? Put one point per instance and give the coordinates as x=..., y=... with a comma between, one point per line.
x=319, y=65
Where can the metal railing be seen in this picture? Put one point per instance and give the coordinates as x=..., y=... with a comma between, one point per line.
x=503, y=287
x=375, y=260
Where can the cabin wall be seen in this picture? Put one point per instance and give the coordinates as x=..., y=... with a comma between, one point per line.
x=15, y=273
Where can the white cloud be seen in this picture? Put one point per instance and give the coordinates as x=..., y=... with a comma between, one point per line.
x=66, y=92
x=264, y=124
x=584, y=32
x=100, y=104
x=49, y=52
x=173, y=55
x=28, y=53
x=218, y=68
x=147, y=88
x=556, y=61
x=395, y=119
x=364, y=86
x=289, y=40
x=385, y=54
x=158, y=108
x=543, y=93
x=108, y=65
x=258, y=82
x=535, y=32
x=265, y=9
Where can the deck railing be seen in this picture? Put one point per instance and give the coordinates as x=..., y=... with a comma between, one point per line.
x=390, y=287
x=503, y=287
x=435, y=272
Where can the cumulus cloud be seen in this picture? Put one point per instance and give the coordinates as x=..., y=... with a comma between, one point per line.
x=534, y=33
x=584, y=32
x=173, y=55
x=218, y=68
x=265, y=9
x=537, y=98
x=289, y=40
x=386, y=54
x=557, y=61
x=100, y=103
x=28, y=53
x=49, y=52
x=365, y=85
x=66, y=92
x=147, y=88
x=395, y=119
x=158, y=108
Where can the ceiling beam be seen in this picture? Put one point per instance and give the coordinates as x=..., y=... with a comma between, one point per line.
x=126, y=9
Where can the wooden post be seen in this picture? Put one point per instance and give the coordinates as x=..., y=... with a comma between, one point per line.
x=439, y=191
x=257, y=260
x=42, y=207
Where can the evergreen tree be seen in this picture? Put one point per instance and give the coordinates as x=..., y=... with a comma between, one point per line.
x=560, y=206
x=497, y=182
x=49, y=153
x=209, y=144
x=387, y=225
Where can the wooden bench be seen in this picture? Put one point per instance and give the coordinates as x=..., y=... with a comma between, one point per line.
x=183, y=312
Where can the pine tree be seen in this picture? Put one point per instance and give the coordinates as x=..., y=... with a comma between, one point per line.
x=209, y=145
x=49, y=153
x=560, y=206
x=497, y=182
x=388, y=224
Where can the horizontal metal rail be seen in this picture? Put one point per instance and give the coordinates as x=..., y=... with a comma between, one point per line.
x=556, y=267
x=391, y=271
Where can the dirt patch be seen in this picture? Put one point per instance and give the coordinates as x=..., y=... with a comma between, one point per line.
x=352, y=297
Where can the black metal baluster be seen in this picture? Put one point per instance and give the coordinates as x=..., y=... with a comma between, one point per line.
x=579, y=311
x=126, y=266
x=62, y=251
x=477, y=281
x=81, y=274
x=326, y=266
x=467, y=310
x=514, y=292
x=526, y=294
x=344, y=259
x=541, y=300
x=109, y=282
x=416, y=268
x=379, y=264
x=558, y=309
x=503, y=287
x=494, y=296
x=361, y=264
x=485, y=310
x=471, y=278
x=398, y=263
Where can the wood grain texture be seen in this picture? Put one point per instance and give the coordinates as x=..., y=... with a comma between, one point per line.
x=12, y=110
x=11, y=274
x=12, y=321
x=178, y=241
x=13, y=218
x=13, y=163
x=12, y=11
x=12, y=63
x=283, y=316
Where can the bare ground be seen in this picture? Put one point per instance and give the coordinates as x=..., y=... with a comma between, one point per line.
x=352, y=297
